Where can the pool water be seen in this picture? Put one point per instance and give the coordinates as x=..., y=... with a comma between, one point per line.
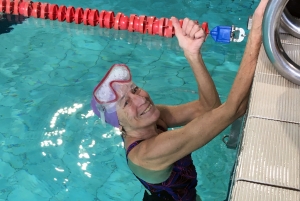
x=53, y=147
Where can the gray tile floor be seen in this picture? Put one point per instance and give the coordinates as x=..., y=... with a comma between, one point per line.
x=268, y=165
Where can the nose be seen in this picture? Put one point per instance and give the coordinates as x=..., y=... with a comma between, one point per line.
x=137, y=99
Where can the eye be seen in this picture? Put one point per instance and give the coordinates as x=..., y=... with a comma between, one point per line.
x=126, y=103
x=134, y=90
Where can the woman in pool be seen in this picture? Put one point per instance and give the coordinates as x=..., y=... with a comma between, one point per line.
x=161, y=158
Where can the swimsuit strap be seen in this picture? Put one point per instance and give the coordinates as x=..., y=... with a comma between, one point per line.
x=132, y=146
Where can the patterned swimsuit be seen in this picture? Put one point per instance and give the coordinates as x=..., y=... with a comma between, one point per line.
x=180, y=186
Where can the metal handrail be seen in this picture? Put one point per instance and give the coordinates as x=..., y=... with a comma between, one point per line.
x=271, y=40
x=290, y=24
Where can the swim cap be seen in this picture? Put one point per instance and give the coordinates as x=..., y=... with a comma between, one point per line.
x=114, y=85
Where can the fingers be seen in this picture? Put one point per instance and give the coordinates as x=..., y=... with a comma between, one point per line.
x=196, y=32
x=192, y=29
x=184, y=25
x=176, y=25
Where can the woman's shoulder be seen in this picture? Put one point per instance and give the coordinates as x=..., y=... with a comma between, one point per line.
x=161, y=126
x=130, y=142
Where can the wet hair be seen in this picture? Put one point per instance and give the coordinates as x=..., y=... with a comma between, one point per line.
x=123, y=131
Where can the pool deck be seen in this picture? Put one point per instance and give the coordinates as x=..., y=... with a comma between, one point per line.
x=268, y=163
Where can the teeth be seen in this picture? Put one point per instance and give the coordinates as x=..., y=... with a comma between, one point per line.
x=148, y=108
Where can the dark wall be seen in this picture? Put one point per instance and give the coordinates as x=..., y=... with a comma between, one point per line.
x=294, y=7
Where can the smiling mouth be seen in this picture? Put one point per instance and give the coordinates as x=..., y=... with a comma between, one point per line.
x=147, y=109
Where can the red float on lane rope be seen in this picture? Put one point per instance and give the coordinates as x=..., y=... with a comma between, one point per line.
x=109, y=19
x=9, y=7
x=155, y=28
x=44, y=10
x=161, y=26
x=25, y=9
x=36, y=9
x=205, y=27
x=85, y=17
x=61, y=13
x=131, y=22
x=169, y=30
x=124, y=22
x=92, y=17
x=117, y=21
x=181, y=23
x=16, y=7
x=53, y=8
x=136, y=23
x=150, y=22
x=2, y=5
x=101, y=18
x=78, y=15
x=142, y=24
x=70, y=13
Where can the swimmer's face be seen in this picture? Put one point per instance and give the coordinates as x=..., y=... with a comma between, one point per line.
x=136, y=110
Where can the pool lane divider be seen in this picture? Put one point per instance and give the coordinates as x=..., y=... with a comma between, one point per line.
x=92, y=17
x=107, y=19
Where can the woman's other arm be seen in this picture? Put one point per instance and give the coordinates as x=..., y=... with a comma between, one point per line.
x=163, y=150
x=190, y=38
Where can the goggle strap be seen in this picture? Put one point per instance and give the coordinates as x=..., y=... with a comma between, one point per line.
x=102, y=115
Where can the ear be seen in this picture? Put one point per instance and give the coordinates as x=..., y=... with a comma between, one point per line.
x=120, y=127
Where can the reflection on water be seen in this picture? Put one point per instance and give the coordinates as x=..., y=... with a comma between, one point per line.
x=72, y=152
x=151, y=42
x=7, y=20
